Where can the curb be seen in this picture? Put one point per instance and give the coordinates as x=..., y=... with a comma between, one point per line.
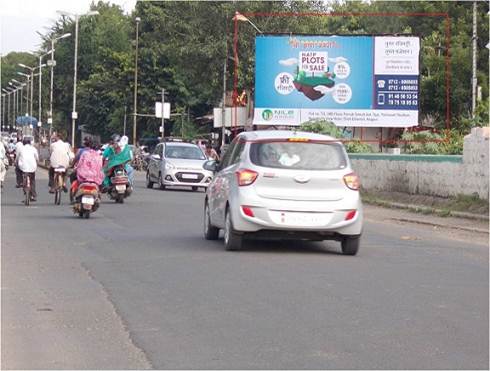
x=468, y=229
x=419, y=208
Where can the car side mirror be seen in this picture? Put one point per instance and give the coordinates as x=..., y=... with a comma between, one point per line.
x=211, y=165
x=155, y=156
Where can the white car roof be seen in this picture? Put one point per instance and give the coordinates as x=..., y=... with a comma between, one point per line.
x=181, y=144
x=284, y=134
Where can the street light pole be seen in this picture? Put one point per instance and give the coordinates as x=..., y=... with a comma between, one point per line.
x=223, y=108
x=135, y=103
x=163, y=110
x=124, y=129
x=50, y=113
x=474, y=81
x=2, y=110
x=74, y=114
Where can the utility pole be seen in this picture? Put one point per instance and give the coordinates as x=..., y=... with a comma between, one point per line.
x=163, y=110
x=74, y=114
x=223, y=106
x=474, y=81
x=50, y=113
x=135, y=103
x=124, y=130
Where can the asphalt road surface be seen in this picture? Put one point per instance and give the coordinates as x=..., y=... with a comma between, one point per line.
x=136, y=286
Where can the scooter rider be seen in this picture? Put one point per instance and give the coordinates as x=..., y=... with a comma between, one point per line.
x=117, y=153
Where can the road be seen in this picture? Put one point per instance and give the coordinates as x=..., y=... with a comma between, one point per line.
x=136, y=286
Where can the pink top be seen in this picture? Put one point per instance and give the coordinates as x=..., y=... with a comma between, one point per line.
x=89, y=167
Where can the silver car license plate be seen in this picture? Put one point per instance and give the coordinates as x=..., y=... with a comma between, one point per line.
x=189, y=176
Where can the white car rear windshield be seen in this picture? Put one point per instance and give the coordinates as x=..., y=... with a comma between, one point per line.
x=184, y=152
x=298, y=155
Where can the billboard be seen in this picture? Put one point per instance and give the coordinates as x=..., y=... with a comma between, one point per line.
x=369, y=81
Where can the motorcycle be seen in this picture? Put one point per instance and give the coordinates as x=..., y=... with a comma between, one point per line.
x=119, y=188
x=86, y=199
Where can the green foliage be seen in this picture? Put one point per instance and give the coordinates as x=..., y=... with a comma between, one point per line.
x=421, y=142
x=322, y=127
x=183, y=47
x=450, y=142
x=356, y=146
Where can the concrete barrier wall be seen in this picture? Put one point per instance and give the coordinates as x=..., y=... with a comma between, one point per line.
x=434, y=175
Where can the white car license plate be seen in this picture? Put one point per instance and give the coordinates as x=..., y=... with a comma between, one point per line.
x=300, y=219
x=88, y=200
x=60, y=170
x=120, y=187
x=189, y=176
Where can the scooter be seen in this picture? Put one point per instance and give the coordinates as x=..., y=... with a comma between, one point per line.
x=86, y=199
x=120, y=188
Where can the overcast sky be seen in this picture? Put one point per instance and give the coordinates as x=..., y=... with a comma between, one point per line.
x=20, y=19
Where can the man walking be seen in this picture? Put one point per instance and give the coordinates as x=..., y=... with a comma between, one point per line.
x=27, y=161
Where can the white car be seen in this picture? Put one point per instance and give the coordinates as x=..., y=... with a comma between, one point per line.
x=178, y=164
x=284, y=185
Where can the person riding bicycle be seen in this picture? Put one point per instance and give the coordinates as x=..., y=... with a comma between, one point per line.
x=18, y=172
x=27, y=161
x=117, y=153
x=61, y=155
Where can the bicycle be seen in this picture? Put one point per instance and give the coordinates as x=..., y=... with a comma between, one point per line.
x=59, y=182
x=26, y=183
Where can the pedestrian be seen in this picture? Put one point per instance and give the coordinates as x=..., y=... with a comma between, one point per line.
x=210, y=152
x=3, y=158
x=61, y=155
x=28, y=159
x=18, y=173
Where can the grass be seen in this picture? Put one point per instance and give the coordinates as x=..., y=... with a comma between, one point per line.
x=429, y=204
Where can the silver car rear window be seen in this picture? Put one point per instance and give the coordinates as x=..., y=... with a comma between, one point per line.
x=184, y=152
x=298, y=155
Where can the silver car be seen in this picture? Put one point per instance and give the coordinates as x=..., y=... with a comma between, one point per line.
x=284, y=185
x=178, y=164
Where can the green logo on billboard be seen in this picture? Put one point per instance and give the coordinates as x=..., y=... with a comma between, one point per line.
x=267, y=114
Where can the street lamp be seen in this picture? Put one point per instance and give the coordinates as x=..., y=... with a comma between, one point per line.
x=28, y=77
x=8, y=92
x=135, y=104
x=2, y=115
x=21, y=86
x=74, y=114
x=240, y=17
x=50, y=113
x=14, y=103
x=41, y=56
x=32, y=69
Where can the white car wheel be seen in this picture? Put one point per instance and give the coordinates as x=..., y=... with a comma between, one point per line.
x=210, y=232
x=232, y=240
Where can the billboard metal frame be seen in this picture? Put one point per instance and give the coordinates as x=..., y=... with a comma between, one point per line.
x=444, y=15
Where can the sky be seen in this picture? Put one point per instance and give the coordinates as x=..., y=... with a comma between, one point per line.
x=20, y=20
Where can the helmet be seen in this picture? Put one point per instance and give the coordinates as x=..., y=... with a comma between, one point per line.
x=115, y=138
x=87, y=142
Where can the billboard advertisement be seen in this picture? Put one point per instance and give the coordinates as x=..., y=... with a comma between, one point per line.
x=369, y=81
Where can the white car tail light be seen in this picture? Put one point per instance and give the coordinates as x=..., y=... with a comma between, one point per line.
x=352, y=181
x=246, y=177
